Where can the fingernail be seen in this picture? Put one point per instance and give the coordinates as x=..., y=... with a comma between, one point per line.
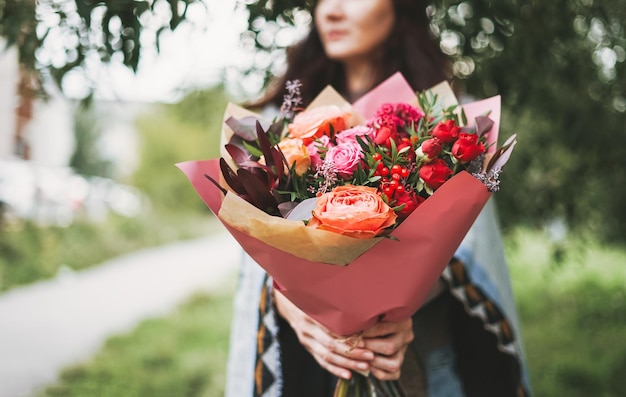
x=345, y=375
x=362, y=366
x=368, y=356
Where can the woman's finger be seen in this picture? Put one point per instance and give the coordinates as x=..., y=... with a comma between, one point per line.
x=336, y=352
x=385, y=328
x=387, y=367
x=390, y=344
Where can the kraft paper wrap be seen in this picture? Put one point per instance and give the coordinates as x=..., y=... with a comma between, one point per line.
x=292, y=236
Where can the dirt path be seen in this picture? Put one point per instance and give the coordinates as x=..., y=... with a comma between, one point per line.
x=49, y=325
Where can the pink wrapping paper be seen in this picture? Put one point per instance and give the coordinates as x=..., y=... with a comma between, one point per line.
x=391, y=280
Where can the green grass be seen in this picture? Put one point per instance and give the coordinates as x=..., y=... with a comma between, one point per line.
x=572, y=312
x=168, y=134
x=181, y=355
x=572, y=305
x=30, y=253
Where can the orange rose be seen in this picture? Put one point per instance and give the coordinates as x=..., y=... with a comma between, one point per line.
x=296, y=153
x=316, y=122
x=354, y=211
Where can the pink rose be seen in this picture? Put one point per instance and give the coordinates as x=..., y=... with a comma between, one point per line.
x=350, y=134
x=355, y=211
x=345, y=158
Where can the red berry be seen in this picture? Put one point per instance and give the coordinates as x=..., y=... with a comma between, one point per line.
x=384, y=171
x=394, y=184
x=377, y=156
x=396, y=169
x=396, y=176
x=400, y=189
x=404, y=172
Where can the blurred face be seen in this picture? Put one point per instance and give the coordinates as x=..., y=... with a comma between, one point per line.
x=353, y=29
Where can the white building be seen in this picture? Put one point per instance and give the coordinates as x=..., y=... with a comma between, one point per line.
x=8, y=98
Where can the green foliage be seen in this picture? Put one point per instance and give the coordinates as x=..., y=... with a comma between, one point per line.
x=86, y=159
x=29, y=252
x=572, y=308
x=569, y=110
x=17, y=25
x=109, y=30
x=183, y=354
x=170, y=134
x=188, y=130
x=585, y=362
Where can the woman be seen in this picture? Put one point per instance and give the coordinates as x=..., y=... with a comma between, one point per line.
x=445, y=349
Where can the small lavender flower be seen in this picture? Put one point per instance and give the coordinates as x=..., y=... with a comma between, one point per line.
x=326, y=178
x=491, y=179
x=292, y=100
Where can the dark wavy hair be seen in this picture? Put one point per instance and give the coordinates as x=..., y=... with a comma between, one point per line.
x=410, y=49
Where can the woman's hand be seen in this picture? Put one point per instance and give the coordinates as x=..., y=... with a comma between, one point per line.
x=332, y=353
x=389, y=342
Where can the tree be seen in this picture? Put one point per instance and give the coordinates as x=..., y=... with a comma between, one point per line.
x=560, y=68
x=56, y=37
x=562, y=76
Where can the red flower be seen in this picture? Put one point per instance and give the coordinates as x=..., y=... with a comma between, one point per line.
x=432, y=147
x=447, y=131
x=467, y=147
x=410, y=200
x=435, y=173
x=406, y=143
x=382, y=136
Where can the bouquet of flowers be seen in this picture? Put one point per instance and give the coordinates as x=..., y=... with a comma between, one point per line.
x=355, y=209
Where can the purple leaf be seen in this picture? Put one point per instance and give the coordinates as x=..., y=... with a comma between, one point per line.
x=276, y=128
x=502, y=155
x=265, y=145
x=286, y=208
x=279, y=160
x=483, y=125
x=260, y=195
x=238, y=155
x=231, y=178
x=302, y=211
x=245, y=127
x=263, y=174
x=224, y=191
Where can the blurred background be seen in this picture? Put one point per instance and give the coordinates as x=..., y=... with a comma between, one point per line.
x=98, y=100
